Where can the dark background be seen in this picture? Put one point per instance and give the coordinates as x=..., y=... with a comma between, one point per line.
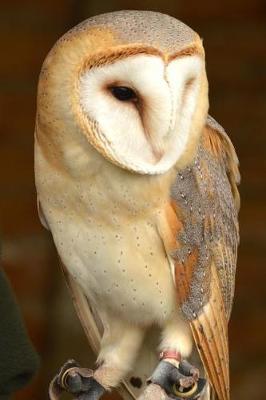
x=234, y=34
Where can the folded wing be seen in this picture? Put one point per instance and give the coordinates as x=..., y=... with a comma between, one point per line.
x=205, y=200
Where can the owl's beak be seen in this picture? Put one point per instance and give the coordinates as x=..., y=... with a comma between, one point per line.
x=156, y=146
x=158, y=149
x=158, y=153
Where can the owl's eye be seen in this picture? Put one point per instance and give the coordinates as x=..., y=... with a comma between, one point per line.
x=123, y=93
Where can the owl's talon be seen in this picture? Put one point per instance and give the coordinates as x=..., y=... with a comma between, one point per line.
x=186, y=382
x=189, y=370
x=177, y=384
x=77, y=381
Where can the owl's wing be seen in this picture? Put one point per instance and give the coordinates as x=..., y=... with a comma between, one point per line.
x=202, y=243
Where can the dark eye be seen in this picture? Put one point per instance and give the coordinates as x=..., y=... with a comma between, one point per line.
x=123, y=93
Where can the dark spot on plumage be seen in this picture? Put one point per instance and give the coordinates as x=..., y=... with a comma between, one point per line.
x=201, y=330
x=136, y=382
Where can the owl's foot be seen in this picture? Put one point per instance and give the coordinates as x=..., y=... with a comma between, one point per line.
x=77, y=381
x=179, y=383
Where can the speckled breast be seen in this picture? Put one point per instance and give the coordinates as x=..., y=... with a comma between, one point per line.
x=122, y=268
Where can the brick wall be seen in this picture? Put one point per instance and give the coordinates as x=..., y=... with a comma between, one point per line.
x=234, y=38
x=28, y=29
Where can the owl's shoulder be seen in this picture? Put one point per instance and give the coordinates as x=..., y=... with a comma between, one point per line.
x=217, y=147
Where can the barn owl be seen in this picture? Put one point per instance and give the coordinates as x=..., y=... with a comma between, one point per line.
x=138, y=186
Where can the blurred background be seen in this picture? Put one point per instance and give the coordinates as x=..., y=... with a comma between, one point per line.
x=234, y=34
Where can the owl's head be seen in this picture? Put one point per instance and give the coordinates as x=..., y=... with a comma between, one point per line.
x=132, y=83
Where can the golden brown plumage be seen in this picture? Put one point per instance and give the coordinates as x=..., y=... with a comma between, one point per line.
x=140, y=196
x=220, y=233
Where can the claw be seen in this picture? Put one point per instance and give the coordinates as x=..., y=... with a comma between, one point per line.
x=179, y=383
x=186, y=382
x=77, y=381
x=189, y=370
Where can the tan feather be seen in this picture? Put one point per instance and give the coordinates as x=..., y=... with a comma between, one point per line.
x=86, y=314
x=210, y=334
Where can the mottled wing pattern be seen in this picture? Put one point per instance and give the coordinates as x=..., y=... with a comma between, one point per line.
x=206, y=202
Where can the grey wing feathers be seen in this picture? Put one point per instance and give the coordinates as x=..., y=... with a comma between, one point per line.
x=206, y=192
